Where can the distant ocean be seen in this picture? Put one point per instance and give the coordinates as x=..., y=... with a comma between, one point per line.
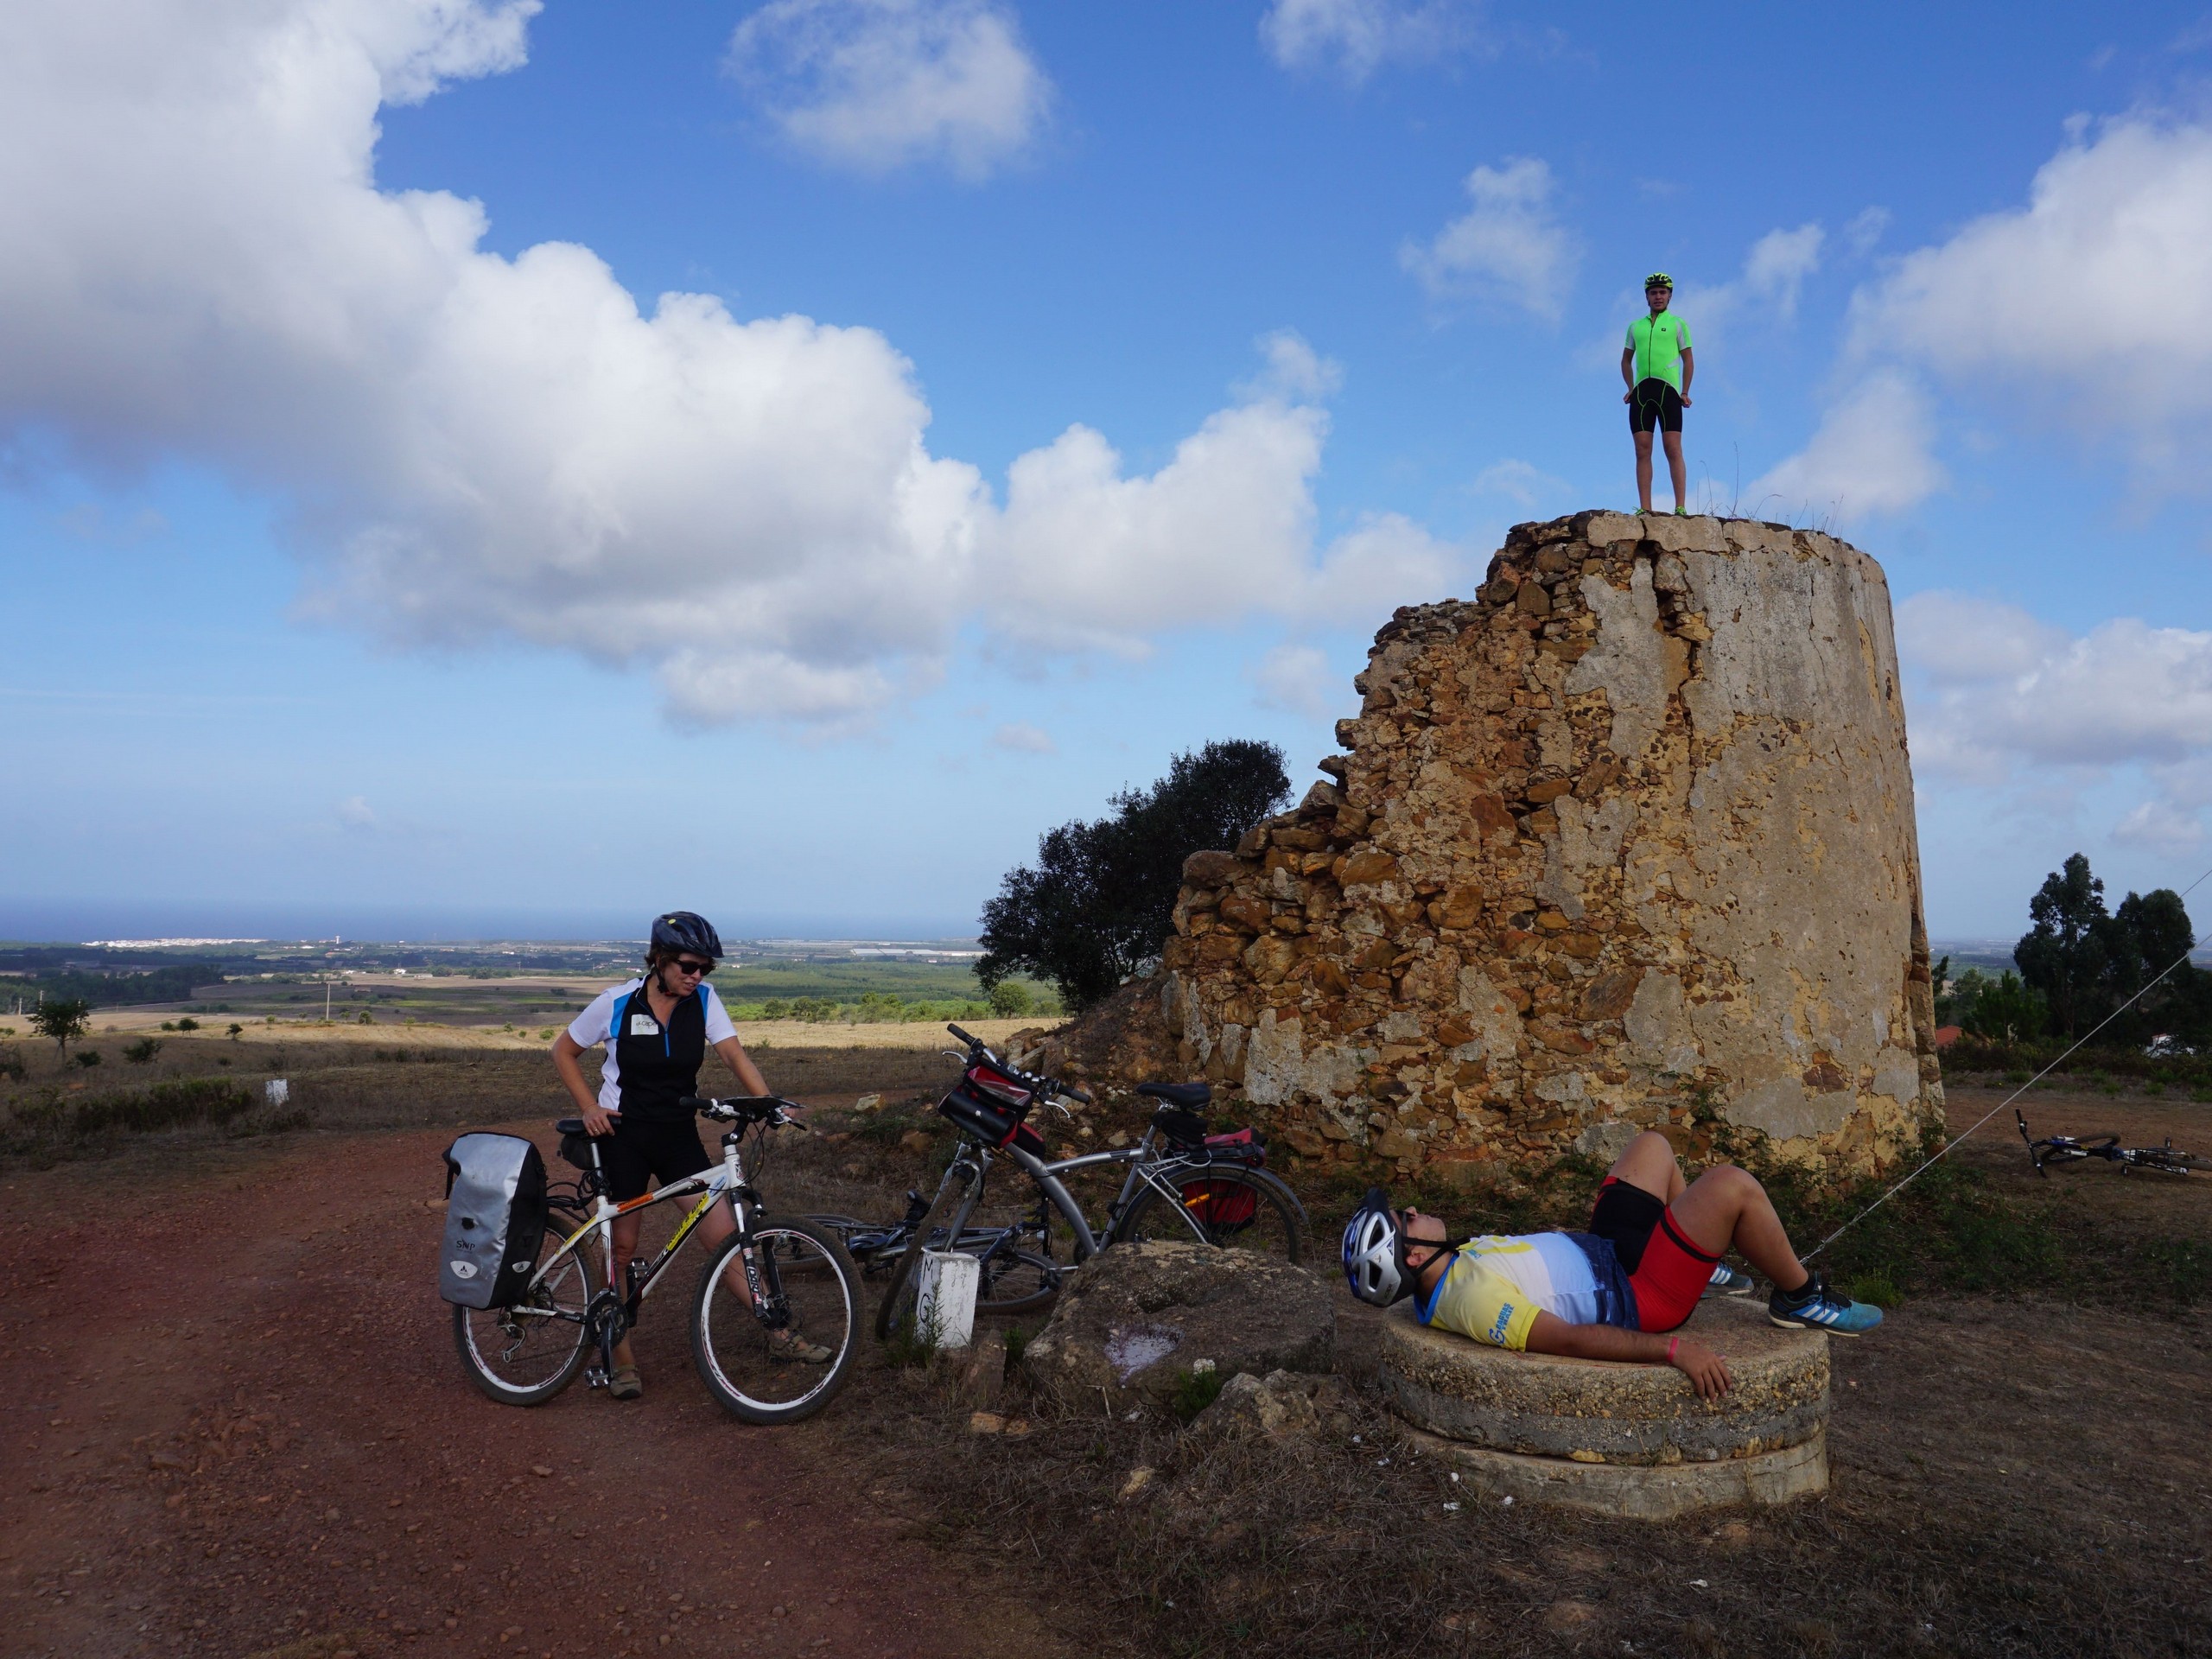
x=72, y=921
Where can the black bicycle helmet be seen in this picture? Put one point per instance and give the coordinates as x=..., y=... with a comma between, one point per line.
x=684, y=929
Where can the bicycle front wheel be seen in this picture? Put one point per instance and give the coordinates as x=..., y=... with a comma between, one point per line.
x=898, y=1291
x=786, y=1357
x=524, y=1355
x=1230, y=1208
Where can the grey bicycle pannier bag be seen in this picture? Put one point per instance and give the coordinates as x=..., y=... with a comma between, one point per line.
x=495, y=1220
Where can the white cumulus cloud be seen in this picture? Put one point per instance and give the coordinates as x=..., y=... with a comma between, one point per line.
x=1773, y=277
x=1354, y=38
x=1520, y=481
x=1019, y=737
x=2089, y=305
x=2092, y=304
x=1296, y=678
x=1509, y=244
x=1999, y=696
x=468, y=446
x=875, y=84
x=1873, y=453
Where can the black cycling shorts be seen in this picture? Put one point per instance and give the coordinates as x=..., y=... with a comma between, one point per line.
x=1656, y=406
x=665, y=1152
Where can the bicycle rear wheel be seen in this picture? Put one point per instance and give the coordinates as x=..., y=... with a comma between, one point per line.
x=524, y=1355
x=1224, y=1206
x=1016, y=1281
x=758, y=1368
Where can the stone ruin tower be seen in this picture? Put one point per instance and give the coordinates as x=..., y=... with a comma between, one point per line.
x=1626, y=842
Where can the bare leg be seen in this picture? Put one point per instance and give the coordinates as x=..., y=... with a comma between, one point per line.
x=1643, y=469
x=1649, y=1163
x=715, y=1226
x=1675, y=470
x=626, y=1247
x=1725, y=1206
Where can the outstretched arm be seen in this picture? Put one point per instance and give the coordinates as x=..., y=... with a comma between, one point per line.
x=741, y=1063
x=1704, y=1369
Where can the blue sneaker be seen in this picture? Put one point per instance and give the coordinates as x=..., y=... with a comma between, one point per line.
x=1726, y=1281
x=1815, y=1307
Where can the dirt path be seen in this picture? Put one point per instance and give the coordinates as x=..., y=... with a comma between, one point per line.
x=238, y=1427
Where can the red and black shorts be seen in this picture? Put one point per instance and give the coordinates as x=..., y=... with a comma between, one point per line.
x=1666, y=1271
x=1654, y=406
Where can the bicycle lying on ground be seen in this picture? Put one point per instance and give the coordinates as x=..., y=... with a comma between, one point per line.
x=2069, y=1149
x=1182, y=1184
x=776, y=1284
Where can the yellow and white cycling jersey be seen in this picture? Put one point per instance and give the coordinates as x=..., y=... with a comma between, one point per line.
x=1498, y=1283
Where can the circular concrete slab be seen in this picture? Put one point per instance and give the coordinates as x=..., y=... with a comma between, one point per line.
x=1648, y=1491
x=1595, y=1412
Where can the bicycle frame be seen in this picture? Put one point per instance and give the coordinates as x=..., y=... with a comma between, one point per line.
x=726, y=1180
x=1160, y=1174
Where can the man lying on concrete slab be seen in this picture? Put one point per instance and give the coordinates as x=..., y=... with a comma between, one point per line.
x=1654, y=1247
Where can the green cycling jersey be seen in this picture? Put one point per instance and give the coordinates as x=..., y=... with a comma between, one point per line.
x=1658, y=344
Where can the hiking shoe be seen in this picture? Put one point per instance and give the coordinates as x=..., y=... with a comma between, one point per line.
x=1815, y=1307
x=787, y=1347
x=624, y=1383
x=1726, y=1281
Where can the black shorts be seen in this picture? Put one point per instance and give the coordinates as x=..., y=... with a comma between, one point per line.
x=1655, y=405
x=664, y=1152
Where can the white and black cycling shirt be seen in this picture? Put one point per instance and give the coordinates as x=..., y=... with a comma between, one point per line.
x=650, y=1063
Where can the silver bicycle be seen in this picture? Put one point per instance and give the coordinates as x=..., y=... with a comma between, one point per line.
x=1182, y=1184
x=778, y=1289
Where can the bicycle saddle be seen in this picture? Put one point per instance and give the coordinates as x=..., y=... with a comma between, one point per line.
x=1178, y=1093
x=570, y=1126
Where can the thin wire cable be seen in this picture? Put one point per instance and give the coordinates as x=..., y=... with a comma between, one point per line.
x=1960, y=1140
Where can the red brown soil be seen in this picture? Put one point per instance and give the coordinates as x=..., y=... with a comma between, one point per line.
x=238, y=1427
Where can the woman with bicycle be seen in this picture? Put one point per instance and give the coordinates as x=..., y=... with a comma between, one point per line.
x=657, y=1029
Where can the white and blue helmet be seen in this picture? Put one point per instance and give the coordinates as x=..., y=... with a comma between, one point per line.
x=1375, y=1252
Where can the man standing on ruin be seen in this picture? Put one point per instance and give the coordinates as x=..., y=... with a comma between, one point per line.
x=1657, y=368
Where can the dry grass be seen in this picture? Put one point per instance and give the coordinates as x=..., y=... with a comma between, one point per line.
x=1349, y=1547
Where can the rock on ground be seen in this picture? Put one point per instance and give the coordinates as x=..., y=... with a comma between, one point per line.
x=1137, y=1317
x=1283, y=1405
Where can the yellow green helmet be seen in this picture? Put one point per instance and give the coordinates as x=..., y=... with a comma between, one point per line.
x=1660, y=279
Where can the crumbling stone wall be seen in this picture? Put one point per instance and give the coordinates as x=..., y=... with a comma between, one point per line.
x=1626, y=842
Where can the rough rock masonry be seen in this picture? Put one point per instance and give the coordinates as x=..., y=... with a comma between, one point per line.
x=1628, y=841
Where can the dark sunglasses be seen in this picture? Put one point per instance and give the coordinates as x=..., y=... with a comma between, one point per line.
x=696, y=969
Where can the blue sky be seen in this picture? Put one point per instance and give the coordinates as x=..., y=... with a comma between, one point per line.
x=1047, y=387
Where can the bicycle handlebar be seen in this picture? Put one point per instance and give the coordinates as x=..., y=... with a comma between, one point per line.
x=1045, y=1086
x=770, y=1109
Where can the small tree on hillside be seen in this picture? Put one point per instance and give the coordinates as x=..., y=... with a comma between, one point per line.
x=1101, y=898
x=2063, y=953
x=62, y=1021
x=2088, y=962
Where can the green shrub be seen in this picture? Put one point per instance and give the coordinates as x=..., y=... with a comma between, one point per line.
x=187, y=1024
x=1877, y=1287
x=87, y=1057
x=1196, y=1388
x=142, y=1052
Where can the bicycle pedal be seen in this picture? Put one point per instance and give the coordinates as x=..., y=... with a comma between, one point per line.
x=596, y=1377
